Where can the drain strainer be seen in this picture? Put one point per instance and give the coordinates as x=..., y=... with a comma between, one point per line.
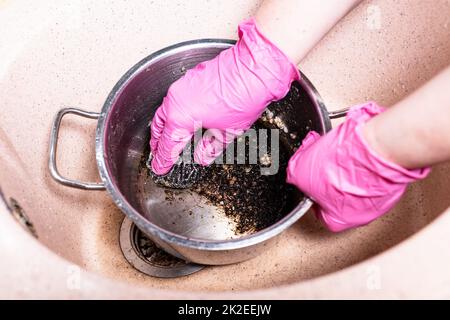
x=144, y=255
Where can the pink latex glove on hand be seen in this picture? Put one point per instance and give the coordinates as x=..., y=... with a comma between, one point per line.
x=351, y=184
x=227, y=94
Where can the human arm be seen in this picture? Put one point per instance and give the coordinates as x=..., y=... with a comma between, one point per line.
x=415, y=132
x=296, y=26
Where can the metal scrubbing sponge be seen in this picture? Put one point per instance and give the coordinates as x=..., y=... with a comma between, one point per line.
x=182, y=175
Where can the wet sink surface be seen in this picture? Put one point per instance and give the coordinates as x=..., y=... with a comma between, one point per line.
x=75, y=62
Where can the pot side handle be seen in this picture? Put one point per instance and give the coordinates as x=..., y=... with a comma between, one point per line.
x=54, y=144
x=338, y=113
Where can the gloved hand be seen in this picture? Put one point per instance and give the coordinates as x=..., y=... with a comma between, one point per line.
x=351, y=184
x=227, y=94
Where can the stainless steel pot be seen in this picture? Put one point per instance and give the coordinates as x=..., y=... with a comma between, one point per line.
x=122, y=134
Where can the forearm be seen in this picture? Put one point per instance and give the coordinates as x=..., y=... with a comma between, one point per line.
x=416, y=131
x=296, y=26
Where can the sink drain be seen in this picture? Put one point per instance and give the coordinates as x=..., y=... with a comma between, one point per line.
x=19, y=214
x=144, y=255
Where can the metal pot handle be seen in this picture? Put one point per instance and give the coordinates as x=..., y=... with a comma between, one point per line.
x=95, y=115
x=54, y=144
x=338, y=113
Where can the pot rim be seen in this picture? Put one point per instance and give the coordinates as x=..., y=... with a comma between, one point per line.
x=145, y=225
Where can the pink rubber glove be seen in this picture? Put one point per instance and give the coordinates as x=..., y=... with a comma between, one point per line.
x=227, y=94
x=351, y=184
